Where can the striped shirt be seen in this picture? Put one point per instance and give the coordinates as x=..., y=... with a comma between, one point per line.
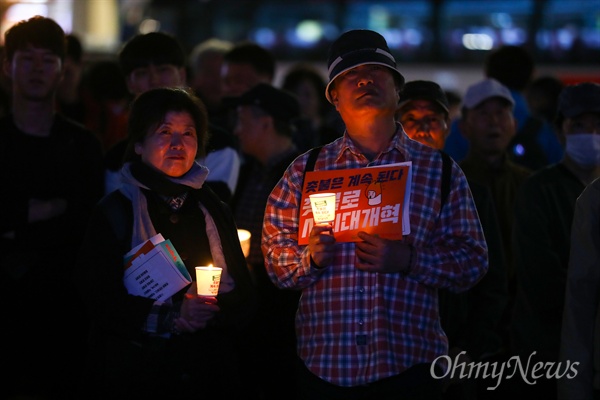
x=355, y=327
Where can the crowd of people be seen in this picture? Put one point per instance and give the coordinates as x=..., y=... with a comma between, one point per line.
x=498, y=259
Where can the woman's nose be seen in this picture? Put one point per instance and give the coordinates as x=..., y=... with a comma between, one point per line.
x=176, y=140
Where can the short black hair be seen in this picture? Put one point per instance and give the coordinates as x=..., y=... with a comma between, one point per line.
x=512, y=66
x=151, y=48
x=246, y=52
x=105, y=81
x=74, y=48
x=306, y=72
x=149, y=109
x=36, y=31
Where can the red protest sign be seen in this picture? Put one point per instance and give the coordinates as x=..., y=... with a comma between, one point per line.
x=372, y=199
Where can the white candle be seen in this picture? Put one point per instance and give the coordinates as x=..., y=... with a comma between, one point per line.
x=323, y=207
x=208, y=279
x=244, y=237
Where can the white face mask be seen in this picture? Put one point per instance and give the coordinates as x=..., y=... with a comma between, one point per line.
x=584, y=149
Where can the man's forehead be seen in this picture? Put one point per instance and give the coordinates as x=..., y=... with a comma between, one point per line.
x=361, y=68
x=493, y=101
x=586, y=116
x=366, y=67
x=36, y=49
x=422, y=105
x=150, y=64
x=245, y=69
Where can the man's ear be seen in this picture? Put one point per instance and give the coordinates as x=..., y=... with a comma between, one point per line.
x=62, y=69
x=558, y=127
x=267, y=122
x=514, y=124
x=6, y=67
x=131, y=88
x=183, y=76
x=462, y=126
x=562, y=137
x=448, y=127
x=334, y=97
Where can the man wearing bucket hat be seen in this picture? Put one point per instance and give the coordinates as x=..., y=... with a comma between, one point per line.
x=367, y=322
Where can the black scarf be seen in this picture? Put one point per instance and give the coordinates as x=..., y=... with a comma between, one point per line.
x=157, y=181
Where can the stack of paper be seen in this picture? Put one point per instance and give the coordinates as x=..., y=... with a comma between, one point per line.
x=155, y=270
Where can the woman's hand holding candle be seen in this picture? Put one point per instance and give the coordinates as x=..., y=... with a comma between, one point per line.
x=196, y=311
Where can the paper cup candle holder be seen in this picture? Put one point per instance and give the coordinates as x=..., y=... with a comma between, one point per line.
x=208, y=279
x=244, y=237
x=323, y=207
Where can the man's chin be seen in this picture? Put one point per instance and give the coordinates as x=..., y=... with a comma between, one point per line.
x=38, y=95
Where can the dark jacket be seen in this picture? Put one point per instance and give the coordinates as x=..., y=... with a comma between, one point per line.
x=123, y=359
x=472, y=319
x=43, y=317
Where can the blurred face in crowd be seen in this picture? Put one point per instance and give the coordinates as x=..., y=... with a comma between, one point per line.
x=583, y=123
x=238, y=78
x=72, y=74
x=207, y=79
x=35, y=73
x=309, y=98
x=171, y=147
x=153, y=76
x=489, y=126
x=581, y=137
x=425, y=122
x=251, y=122
x=366, y=89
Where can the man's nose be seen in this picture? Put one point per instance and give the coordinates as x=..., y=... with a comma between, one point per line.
x=38, y=62
x=365, y=78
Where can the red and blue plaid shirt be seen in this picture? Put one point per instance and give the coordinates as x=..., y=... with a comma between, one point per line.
x=355, y=327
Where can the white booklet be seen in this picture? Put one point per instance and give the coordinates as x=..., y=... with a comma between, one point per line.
x=155, y=270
